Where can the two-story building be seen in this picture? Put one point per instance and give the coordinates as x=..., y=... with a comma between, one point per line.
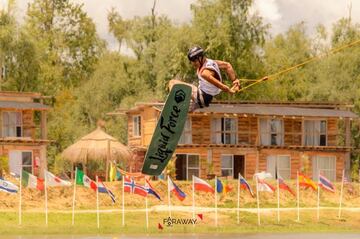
x=248, y=137
x=23, y=131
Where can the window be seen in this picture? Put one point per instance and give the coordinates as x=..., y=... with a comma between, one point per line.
x=187, y=165
x=271, y=132
x=279, y=165
x=137, y=125
x=186, y=137
x=224, y=131
x=12, y=124
x=315, y=133
x=227, y=165
x=326, y=165
x=193, y=166
x=27, y=161
x=19, y=160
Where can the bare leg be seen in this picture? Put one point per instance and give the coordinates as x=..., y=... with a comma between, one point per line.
x=193, y=88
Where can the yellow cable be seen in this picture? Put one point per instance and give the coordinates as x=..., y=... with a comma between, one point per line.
x=273, y=76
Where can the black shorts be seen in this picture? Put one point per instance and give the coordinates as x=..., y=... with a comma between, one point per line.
x=203, y=99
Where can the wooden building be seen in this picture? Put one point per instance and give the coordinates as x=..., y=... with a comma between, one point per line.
x=23, y=131
x=247, y=137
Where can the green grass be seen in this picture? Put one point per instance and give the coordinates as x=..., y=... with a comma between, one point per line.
x=111, y=223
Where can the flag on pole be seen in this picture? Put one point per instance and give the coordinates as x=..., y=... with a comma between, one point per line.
x=53, y=181
x=84, y=180
x=245, y=185
x=30, y=181
x=263, y=186
x=306, y=182
x=8, y=187
x=284, y=186
x=112, y=172
x=219, y=186
x=131, y=187
x=103, y=189
x=326, y=184
x=176, y=190
x=151, y=190
x=263, y=175
x=222, y=187
x=202, y=185
x=89, y=183
x=79, y=177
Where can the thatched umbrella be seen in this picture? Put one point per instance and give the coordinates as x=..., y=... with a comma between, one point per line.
x=97, y=145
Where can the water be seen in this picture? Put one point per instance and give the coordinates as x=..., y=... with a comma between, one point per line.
x=204, y=236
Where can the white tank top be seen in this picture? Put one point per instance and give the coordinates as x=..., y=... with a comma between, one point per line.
x=206, y=86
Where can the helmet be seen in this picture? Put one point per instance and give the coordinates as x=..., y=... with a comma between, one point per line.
x=194, y=53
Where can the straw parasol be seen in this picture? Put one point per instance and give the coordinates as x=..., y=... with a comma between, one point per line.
x=97, y=145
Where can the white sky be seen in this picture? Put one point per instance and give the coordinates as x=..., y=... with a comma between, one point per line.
x=279, y=13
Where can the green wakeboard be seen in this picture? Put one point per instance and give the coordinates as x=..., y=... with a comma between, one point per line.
x=168, y=130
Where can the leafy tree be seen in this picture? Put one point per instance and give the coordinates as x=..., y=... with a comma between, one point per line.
x=66, y=41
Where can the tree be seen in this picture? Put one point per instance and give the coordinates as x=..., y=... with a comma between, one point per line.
x=66, y=42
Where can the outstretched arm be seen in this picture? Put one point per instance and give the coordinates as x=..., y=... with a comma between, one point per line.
x=209, y=76
x=223, y=65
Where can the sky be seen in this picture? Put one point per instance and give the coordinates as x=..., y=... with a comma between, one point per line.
x=279, y=13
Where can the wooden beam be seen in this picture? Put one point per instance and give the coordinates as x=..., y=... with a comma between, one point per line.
x=43, y=125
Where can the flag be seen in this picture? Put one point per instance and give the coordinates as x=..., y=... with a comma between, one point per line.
x=244, y=185
x=227, y=187
x=263, y=175
x=53, y=181
x=82, y=179
x=202, y=185
x=89, y=183
x=30, y=181
x=306, y=182
x=219, y=186
x=222, y=187
x=131, y=187
x=112, y=172
x=103, y=189
x=284, y=186
x=79, y=177
x=264, y=186
x=326, y=184
x=7, y=186
x=175, y=189
x=151, y=190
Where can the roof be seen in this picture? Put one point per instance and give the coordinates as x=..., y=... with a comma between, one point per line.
x=272, y=110
x=23, y=105
x=276, y=111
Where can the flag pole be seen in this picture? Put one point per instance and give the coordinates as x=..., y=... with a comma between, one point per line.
x=46, y=199
x=257, y=199
x=341, y=193
x=146, y=212
x=298, y=196
x=123, y=200
x=169, y=198
x=193, y=199
x=97, y=203
x=238, y=200
x=216, y=212
x=20, y=196
x=74, y=194
x=278, y=200
x=318, y=202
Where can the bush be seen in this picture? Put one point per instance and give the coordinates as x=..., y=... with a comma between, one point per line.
x=4, y=165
